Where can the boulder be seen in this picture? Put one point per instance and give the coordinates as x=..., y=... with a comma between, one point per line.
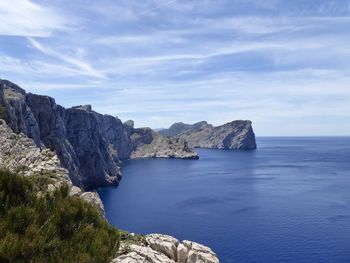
x=164, y=244
x=199, y=253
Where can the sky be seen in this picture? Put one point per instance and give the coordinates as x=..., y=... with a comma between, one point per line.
x=284, y=64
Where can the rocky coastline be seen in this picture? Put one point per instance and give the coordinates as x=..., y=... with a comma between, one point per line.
x=88, y=144
x=233, y=135
x=20, y=154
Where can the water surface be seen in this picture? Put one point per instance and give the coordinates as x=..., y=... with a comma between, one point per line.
x=289, y=201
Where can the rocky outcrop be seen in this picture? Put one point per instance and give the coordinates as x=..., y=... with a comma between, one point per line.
x=150, y=144
x=165, y=249
x=20, y=154
x=233, y=135
x=88, y=144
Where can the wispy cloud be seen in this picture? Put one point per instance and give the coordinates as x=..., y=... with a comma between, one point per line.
x=83, y=67
x=276, y=62
x=159, y=6
x=25, y=18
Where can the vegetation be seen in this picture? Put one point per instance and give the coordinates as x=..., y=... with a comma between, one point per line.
x=51, y=227
x=2, y=112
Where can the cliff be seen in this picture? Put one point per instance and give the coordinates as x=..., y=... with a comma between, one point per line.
x=88, y=144
x=233, y=135
x=20, y=154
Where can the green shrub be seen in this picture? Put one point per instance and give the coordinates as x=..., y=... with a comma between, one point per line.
x=50, y=228
x=2, y=112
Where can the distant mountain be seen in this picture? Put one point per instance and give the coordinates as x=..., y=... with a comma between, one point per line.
x=233, y=135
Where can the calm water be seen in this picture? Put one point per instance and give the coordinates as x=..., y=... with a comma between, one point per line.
x=289, y=201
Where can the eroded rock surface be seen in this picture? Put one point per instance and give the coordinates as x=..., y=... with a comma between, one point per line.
x=88, y=144
x=233, y=135
x=166, y=249
x=150, y=144
x=20, y=154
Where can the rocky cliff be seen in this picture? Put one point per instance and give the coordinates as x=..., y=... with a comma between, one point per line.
x=233, y=135
x=88, y=144
x=21, y=155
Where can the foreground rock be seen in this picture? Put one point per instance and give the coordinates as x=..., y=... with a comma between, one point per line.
x=165, y=249
x=88, y=144
x=232, y=135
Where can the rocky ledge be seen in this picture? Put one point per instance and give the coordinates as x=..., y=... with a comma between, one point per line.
x=233, y=135
x=157, y=248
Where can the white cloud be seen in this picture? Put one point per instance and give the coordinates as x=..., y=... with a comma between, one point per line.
x=82, y=67
x=25, y=18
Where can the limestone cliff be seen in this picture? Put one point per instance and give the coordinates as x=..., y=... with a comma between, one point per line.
x=20, y=154
x=233, y=135
x=159, y=146
x=88, y=144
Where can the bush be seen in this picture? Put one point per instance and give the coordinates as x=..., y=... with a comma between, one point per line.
x=2, y=112
x=50, y=228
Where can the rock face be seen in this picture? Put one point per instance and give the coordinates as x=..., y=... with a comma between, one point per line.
x=166, y=249
x=233, y=135
x=88, y=144
x=150, y=144
x=20, y=154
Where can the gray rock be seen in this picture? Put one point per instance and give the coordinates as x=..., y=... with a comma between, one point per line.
x=131, y=257
x=199, y=253
x=164, y=244
x=88, y=144
x=150, y=144
x=182, y=253
x=233, y=135
x=166, y=249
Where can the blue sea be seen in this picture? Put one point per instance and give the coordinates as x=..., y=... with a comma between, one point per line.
x=288, y=201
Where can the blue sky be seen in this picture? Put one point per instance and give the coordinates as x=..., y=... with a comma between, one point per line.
x=284, y=64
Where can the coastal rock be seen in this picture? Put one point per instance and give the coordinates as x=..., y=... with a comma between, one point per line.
x=233, y=135
x=131, y=257
x=150, y=254
x=166, y=249
x=182, y=253
x=199, y=253
x=149, y=144
x=164, y=244
x=20, y=154
x=88, y=144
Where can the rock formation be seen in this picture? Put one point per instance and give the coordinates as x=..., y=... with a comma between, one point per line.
x=20, y=154
x=88, y=144
x=159, y=248
x=233, y=135
x=160, y=146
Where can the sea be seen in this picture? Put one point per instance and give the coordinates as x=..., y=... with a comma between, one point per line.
x=288, y=201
